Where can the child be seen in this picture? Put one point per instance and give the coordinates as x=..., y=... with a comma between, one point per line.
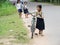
x=19, y=7
x=25, y=9
x=40, y=20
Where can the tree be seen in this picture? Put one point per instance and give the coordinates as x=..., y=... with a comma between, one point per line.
x=58, y=1
x=36, y=0
x=50, y=1
x=2, y=1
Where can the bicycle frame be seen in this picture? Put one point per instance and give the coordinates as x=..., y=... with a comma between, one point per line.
x=33, y=26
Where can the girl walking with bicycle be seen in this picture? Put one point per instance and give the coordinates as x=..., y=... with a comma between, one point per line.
x=40, y=25
x=40, y=20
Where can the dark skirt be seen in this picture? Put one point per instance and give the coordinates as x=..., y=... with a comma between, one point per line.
x=20, y=10
x=26, y=11
x=40, y=24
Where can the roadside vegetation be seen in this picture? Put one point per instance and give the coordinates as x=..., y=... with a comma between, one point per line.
x=56, y=2
x=6, y=8
x=10, y=23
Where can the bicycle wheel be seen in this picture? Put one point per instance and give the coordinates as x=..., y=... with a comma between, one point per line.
x=33, y=27
x=32, y=35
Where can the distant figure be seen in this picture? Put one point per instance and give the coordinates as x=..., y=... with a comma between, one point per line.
x=40, y=20
x=19, y=7
x=25, y=9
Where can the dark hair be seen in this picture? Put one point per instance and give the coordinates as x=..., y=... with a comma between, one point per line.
x=18, y=1
x=25, y=1
x=40, y=6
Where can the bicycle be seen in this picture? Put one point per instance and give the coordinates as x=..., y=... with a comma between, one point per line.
x=33, y=26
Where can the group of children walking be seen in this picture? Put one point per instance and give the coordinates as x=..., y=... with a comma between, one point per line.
x=22, y=7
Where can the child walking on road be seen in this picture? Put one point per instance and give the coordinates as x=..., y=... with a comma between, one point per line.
x=40, y=25
x=40, y=20
x=19, y=7
x=25, y=9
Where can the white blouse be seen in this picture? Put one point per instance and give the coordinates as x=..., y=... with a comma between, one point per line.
x=19, y=6
x=25, y=6
x=38, y=14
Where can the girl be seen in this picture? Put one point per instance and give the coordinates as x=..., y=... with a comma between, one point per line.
x=19, y=7
x=40, y=20
x=25, y=9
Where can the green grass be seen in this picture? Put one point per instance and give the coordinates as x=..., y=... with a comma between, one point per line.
x=7, y=11
x=13, y=25
x=7, y=8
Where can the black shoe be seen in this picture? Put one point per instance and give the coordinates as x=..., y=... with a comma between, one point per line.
x=31, y=37
x=36, y=34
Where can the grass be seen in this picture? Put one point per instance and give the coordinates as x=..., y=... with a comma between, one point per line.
x=13, y=26
x=7, y=8
x=7, y=11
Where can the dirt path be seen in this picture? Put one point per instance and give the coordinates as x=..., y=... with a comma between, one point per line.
x=37, y=40
x=52, y=23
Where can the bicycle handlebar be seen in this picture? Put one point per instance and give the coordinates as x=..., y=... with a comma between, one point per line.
x=32, y=15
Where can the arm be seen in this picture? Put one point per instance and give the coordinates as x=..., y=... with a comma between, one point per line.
x=42, y=15
x=33, y=14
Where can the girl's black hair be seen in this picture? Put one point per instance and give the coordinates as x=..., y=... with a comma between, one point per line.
x=25, y=1
x=18, y=1
x=40, y=6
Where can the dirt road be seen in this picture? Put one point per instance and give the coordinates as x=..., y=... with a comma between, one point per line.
x=52, y=22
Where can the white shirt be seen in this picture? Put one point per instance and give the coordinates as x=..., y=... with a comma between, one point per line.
x=19, y=6
x=25, y=6
x=38, y=14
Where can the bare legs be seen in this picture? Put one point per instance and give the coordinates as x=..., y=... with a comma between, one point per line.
x=20, y=14
x=26, y=15
x=41, y=32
